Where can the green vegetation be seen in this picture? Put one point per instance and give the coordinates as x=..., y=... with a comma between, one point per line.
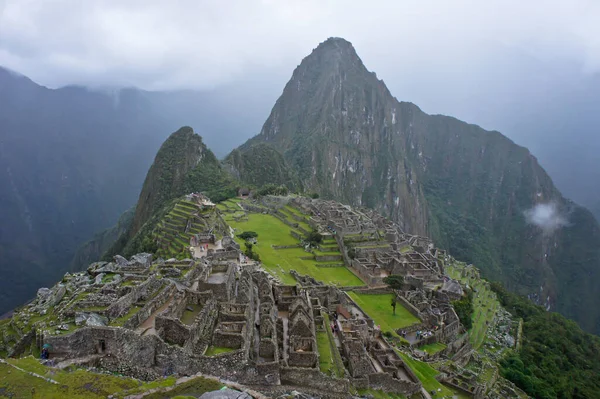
x=261, y=164
x=432, y=349
x=79, y=384
x=557, y=359
x=379, y=309
x=246, y=235
x=394, y=281
x=314, y=238
x=325, y=356
x=249, y=252
x=215, y=350
x=121, y=320
x=426, y=375
x=482, y=304
x=464, y=309
x=279, y=262
x=337, y=365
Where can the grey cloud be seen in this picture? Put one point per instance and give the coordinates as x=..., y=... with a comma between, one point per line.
x=158, y=44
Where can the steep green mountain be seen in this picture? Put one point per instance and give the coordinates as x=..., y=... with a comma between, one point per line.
x=475, y=192
x=261, y=164
x=182, y=165
x=556, y=358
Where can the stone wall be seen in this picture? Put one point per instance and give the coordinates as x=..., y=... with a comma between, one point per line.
x=409, y=306
x=388, y=383
x=229, y=335
x=171, y=330
x=203, y=327
x=150, y=308
x=313, y=379
x=328, y=258
x=142, y=291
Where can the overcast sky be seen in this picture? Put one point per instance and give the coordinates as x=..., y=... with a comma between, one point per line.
x=157, y=44
x=527, y=68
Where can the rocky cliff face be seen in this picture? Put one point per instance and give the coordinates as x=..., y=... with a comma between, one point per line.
x=349, y=139
x=261, y=164
x=338, y=126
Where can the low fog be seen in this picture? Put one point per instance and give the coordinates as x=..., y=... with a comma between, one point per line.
x=546, y=216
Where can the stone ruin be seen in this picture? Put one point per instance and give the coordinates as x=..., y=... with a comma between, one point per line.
x=219, y=316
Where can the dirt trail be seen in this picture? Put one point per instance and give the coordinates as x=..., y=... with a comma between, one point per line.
x=148, y=325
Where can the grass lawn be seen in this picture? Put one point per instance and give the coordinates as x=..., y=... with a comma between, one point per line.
x=72, y=385
x=432, y=349
x=215, y=350
x=325, y=358
x=427, y=374
x=379, y=308
x=279, y=262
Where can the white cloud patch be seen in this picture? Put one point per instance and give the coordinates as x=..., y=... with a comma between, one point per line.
x=546, y=216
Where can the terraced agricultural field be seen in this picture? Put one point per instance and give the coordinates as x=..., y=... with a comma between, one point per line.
x=485, y=304
x=272, y=231
x=426, y=375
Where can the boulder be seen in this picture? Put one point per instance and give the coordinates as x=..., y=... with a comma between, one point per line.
x=90, y=319
x=121, y=261
x=142, y=259
x=107, y=268
x=43, y=294
x=99, y=278
x=57, y=294
x=93, y=267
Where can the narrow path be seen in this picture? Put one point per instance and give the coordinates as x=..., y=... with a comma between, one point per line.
x=147, y=327
x=284, y=316
x=376, y=364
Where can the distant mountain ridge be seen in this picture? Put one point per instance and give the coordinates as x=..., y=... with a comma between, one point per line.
x=349, y=139
x=73, y=159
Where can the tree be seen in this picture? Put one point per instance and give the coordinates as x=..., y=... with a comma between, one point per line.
x=249, y=252
x=394, y=302
x=395, y=281
x=246, y=235
x=314, y=238
x=464, y=309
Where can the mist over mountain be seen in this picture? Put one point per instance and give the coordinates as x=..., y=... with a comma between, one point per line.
x=72, y=160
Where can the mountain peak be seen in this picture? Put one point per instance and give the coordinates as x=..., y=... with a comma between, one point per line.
x=334, y=51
